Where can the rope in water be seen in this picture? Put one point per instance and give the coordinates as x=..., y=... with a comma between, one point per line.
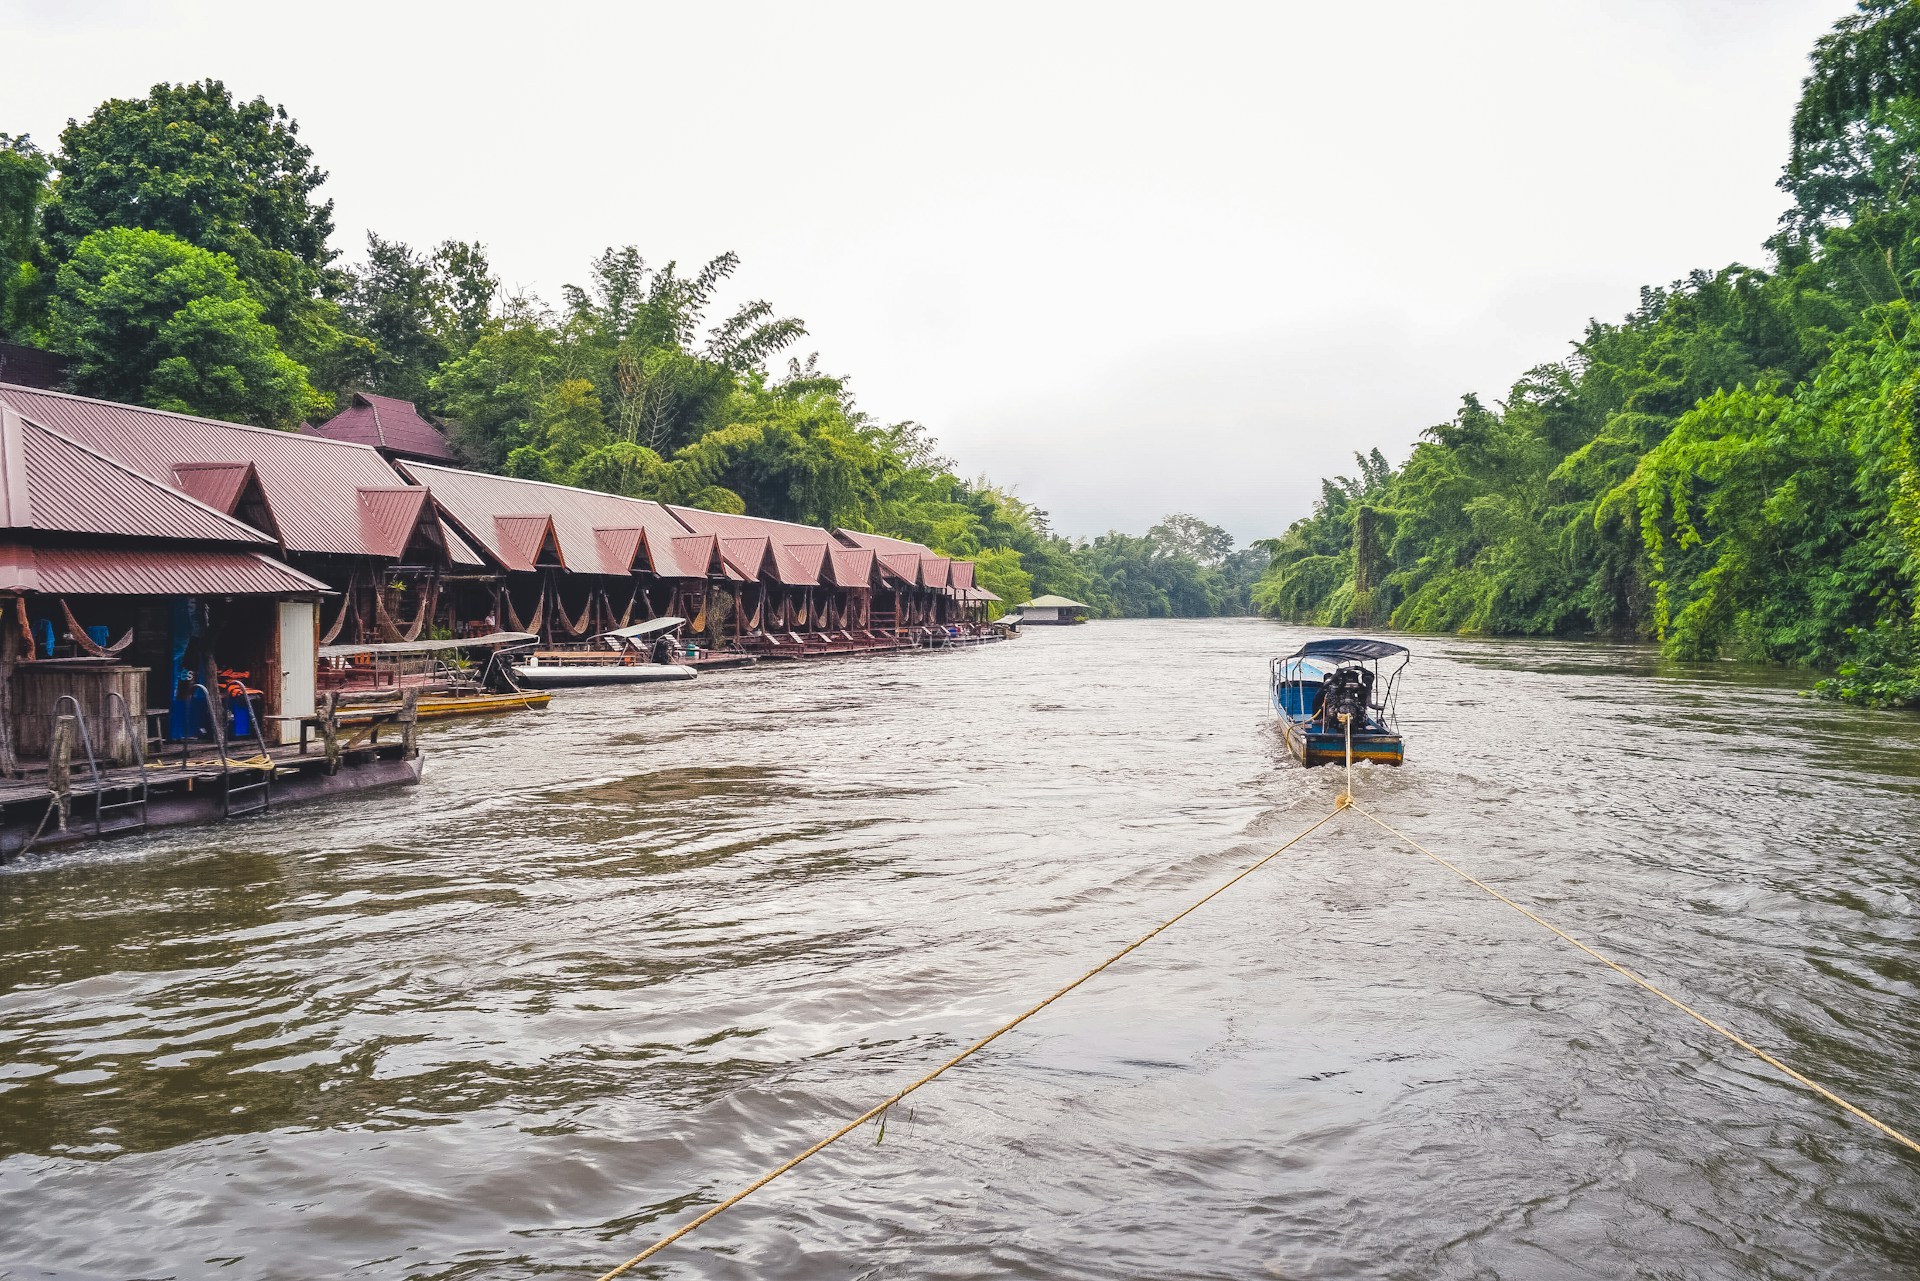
x=879, y=1108
x=1629, y=975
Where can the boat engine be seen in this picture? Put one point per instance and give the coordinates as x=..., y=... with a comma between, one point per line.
x=1347, y=691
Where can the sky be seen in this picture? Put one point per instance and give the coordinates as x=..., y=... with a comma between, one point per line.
x=1121, y=259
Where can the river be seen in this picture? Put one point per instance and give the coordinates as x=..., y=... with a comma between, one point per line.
x=615, y=959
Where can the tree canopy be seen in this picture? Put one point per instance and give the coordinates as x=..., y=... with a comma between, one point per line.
x=1729, y=469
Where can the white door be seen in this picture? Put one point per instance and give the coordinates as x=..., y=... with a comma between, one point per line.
x=299, y=641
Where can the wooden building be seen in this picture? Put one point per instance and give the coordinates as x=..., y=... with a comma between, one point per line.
x=112, y=584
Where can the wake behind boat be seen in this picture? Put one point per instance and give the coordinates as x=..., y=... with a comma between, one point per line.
x=1327, y=688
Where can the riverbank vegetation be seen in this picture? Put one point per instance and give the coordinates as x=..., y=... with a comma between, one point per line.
x=1729, y=470
x=175, y=250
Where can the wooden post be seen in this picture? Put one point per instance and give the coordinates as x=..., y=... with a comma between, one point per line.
x=410, y=724
x=60, y=764
x=330, y=730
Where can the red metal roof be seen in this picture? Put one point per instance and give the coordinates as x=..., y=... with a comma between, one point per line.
x=903, y=566
x=798, y=550
x=386, y=423
x=312, y=483
x=749, y=557
x=472, y=501
x=624, y=547
x=389, y=516
x=701, y=553
x=147, y=571
x=935, y=570
x=218, y=485
x=522, y=540
x=56, y=485
x=851, y=566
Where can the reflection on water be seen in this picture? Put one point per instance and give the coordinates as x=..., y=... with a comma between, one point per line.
x=618, y=957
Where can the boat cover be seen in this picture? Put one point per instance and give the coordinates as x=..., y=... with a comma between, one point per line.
x=647, y=628
x=1349, y=649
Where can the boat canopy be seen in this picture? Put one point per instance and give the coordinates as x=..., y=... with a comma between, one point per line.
x=1345, y=649
x=647, y=628
x=490, y=641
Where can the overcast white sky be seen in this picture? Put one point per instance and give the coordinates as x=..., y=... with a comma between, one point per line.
x=1125, y=259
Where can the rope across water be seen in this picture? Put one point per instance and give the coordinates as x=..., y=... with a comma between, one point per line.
x=1343, y=802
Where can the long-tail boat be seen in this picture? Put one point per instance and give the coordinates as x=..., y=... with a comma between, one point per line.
x=1339, y=693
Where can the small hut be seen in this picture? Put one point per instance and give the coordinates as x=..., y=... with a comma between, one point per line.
x=1053, y=609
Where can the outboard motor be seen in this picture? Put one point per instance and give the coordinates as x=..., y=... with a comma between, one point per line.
x=1347, y=690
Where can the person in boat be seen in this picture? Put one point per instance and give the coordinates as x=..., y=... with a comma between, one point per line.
x=663, y=647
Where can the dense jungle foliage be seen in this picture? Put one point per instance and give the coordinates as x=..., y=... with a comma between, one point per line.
x=174, y=249
x=1730, y=469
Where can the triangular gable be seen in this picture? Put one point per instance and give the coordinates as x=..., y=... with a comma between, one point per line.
x=904, y=566
x=799, y=564
x=526, y=543
x=851, y=566
x=698, y=556
x=51, y=483
x=232, y=489
x=397, y=522
x=627, y=551
x=962, y=574
x=752, y=557
x=933, y=570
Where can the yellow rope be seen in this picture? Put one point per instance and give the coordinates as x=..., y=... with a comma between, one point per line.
x=1675, y=1002
x=971, y=1050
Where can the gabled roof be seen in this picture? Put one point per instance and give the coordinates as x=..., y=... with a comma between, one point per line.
x=699, y=556
x=798, y=551
x=390, y=518
x=851, y=566
x=904, y=567
x=471, y=501
x=526, y=542
x=625, y=547
x=800, y=564
x=750, y=557
x=311, y=483
x=218, y=485
x=386, y=423
x=935, y=570
x=51, y=484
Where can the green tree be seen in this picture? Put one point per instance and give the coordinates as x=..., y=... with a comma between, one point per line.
x=150, y=319
x=23, y=188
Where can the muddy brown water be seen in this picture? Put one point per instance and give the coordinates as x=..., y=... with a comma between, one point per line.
x=617, y=958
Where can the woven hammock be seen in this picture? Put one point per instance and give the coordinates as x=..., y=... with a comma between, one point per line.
x=626, y=615
x=532, y=625
x=340, y=619
x=392, y=631
x=78, y=635
x=573, y=629
x=700, y=619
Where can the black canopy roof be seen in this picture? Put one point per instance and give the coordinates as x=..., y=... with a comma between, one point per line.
x=1347, y=649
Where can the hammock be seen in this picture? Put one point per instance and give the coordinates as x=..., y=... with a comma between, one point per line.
x=532, y=625
x=626, y=615
x=700, y=619
x=801, y=619
x=339, y=619
x=391, y=631
x=759, y=608
x=574, y=630
x=79, y=636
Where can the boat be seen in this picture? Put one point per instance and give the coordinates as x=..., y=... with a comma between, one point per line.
x=1337, y=691
x=370, y=679
x=619, y=657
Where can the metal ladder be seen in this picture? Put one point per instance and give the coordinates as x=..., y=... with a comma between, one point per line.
x=229, y=790
x=138, y=803
x=86, y=741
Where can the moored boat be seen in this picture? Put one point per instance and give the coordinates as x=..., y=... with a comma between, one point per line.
x=637, y=655
x=1340, y=691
